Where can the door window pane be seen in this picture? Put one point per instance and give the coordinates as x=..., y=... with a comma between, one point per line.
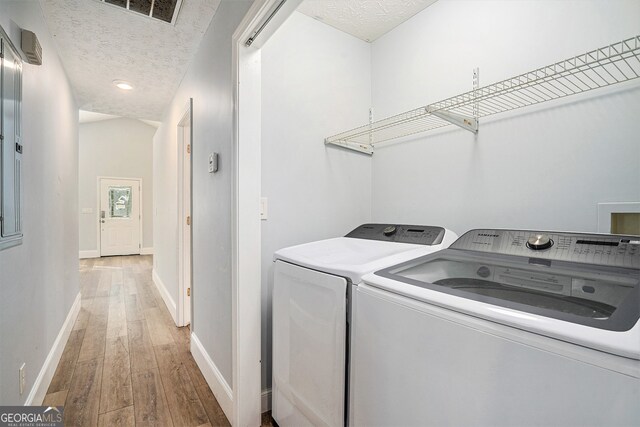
x=119, y=202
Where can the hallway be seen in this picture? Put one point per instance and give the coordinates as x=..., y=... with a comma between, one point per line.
x=126, y=363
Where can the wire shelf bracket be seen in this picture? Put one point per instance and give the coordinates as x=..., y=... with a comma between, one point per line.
x=363, y=148
x=606, y=66
x=465, y=122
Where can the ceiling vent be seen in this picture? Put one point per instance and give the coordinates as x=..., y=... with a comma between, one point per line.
x=31, y=48
x=164, y=10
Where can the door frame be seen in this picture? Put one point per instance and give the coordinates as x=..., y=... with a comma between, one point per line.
x=246, y=253
x=99, y=197
x=181, y=317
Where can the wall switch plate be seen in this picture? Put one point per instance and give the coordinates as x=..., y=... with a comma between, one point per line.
x=213, y=162
x=264, y=208
x=23, y=378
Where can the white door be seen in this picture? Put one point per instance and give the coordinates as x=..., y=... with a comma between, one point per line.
x=186, y=222
x=119, y=217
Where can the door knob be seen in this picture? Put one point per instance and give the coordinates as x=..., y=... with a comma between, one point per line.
x=102, y=221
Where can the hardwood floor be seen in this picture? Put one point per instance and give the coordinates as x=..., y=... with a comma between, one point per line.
x=126, y=363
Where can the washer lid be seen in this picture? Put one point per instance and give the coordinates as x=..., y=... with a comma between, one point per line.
x=592, y=305
x=354, y=257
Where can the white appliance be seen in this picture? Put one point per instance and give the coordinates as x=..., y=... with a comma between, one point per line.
x=504, y=328
x=312, y=286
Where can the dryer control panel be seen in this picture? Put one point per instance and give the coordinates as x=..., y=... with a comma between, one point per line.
x=599, y=249
x=414, y=234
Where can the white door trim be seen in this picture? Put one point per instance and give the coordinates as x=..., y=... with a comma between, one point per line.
x=246, y=243
x=183, y=318
x=98, y=235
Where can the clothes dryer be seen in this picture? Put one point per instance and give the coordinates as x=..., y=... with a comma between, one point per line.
x=311, y=324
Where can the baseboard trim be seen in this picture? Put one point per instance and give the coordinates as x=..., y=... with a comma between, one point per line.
x=266, y=400
x=166, y=297
x=96, y=254
x=89, y=254
x=216, y=381
x=43, y=380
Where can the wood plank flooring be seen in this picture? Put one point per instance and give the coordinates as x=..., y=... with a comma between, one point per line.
x=126, y=363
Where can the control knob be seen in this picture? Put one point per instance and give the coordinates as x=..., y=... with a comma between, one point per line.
x=539, y=242
x=390, y=230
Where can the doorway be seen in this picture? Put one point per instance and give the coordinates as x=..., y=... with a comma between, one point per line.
x=259, y=24
x=120, y=219
x=185, y=137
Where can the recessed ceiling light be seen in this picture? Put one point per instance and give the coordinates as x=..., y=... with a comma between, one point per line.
x=121, y=84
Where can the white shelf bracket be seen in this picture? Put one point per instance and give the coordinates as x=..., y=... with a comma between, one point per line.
x=362, y=148
x=465, y=122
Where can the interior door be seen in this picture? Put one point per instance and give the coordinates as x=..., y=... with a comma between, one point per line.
x=186, y=223
x=119, y=217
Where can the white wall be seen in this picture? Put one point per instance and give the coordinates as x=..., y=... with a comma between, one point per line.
x=208, y=81
x=542, y=168
x=39, y=279
x=121, y=148
x=315, y=83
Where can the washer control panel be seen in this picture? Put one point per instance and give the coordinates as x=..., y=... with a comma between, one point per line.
x=599, y=249
x=415, y=234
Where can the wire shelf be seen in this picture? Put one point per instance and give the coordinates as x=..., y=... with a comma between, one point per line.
x=599, y=68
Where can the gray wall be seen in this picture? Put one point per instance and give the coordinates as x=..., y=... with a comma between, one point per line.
x=544, y=167
x=39, y=279
x=315, y=83
x=121, y=148
x=209, y=82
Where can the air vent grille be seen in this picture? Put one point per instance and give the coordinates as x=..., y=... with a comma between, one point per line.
x=164, y=10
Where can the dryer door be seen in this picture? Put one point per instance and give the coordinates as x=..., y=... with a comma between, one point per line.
x=309, y=339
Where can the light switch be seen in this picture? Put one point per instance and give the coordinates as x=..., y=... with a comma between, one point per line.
x=264, y=207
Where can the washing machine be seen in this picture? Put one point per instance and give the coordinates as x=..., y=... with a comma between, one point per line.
x=311, y=320
x=503, y=328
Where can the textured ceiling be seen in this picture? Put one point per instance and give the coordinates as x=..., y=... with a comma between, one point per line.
x=99, y=43
x=90, y=117
x=365, y=19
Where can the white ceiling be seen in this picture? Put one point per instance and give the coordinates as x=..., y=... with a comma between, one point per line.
x=364, y=19
x=99, y=43
x=90, y=117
